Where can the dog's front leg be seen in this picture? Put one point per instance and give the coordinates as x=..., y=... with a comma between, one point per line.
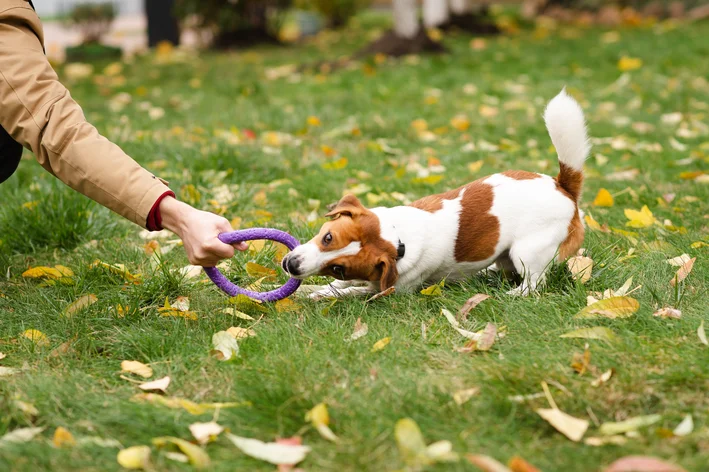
x=343, y=289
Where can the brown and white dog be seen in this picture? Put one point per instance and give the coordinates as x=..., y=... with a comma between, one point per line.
x=518, y=221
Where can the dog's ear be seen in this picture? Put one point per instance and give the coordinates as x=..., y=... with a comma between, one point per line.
x=349, y=205
x=390, y=274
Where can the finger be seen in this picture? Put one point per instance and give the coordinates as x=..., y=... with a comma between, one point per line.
x=242, y=246
x=221, y=250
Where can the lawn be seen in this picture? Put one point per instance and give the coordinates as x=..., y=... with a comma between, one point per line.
x=239, y=134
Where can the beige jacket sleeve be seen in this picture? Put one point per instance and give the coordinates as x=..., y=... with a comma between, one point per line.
x=39, y=113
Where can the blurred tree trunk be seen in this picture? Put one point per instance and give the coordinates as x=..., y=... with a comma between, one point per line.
x=162, y=23
x=407, y=37
x=435, y=13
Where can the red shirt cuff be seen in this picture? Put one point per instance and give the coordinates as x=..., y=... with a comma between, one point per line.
x=154, y=221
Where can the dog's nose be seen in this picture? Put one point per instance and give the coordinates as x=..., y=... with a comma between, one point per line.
x=290, y=265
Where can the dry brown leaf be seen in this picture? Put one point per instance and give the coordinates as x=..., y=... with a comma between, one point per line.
x=471, y=303
x=683, y=272
x=679, y=261
x=572, y=428
x=486, y=463
x=360, y=329
x=642, y=464
x=668, y=312
x=582, y=362
x=385, y=293
x=80, y=304
x=517, y=464
x=581, y=268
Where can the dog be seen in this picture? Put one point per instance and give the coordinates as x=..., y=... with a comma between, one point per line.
x=515, y=221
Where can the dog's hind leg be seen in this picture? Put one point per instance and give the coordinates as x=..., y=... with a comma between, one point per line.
x=531, y=258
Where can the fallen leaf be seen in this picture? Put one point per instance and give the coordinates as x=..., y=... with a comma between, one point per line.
x=57, y=272
x=99, y=441
x=639, y=219
x=668, y=312
x=614, y=307
x=37, y=337
x=257, y=270
x=206, y=432
x=581, y=362
x=679, y=261
x=572, y=428
x=434, y=290
x=177, y=457
x=320, y=419
x=238, y=314
x=626, y=63
x=80, y=304
x=21, y=435
x=360, y=330
x=632, y=424
x=517, y=464
x=240, y=333
x=381, y=294
x=460, y=122
x=7, y=371
x=2, y=356
x=474, y=167
x=594, y=225
x=198, y=458
x=683, y=272
x=286, y=305
x=27, y=408
x=62, y=437
x=486, y=463
x=702, y=334
x=413, y=449
x=138, y=368
x=456, y=325
x=381, y=344
x=462, y=396
x=273, y=453
x=597, y=332
x=603, y=198
x=487, y=339
x=118, y=269
x=135, y=457
x=224, y=346
x=617, y=440
x=685, y=427
x=160, y=384
x=603, y=378
x=581, y=268
x=642, y=464
x=187, y=405
x=471, y=303
x=623, y=175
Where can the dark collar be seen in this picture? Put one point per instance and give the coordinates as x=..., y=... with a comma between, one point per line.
x=400, y=251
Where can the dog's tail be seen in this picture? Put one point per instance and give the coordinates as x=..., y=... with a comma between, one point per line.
x=567, y=129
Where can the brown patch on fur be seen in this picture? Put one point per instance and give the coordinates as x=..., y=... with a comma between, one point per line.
x=521, y=175
x=570, y=181
x=574, y=240
x=478, y=231
x=376, y=259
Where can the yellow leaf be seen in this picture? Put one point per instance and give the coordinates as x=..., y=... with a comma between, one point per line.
x=135, y=458
x=571, y=427
x=632, y=424
x=639, y=219
x=79, y=304
x=614, y=307
x=629, y=63
x=593, y=224
x=430, y=180
x=341, y=163
x=260, y=198
x=460, y=122
x=683, y=272
x=413, y=449
x=581, y=268
x=314, y=121
x=187, y=405
x=138, y=368
x=327, y=150
x=474, y=167
x=286, y=305
x=62, y=437
x=118, y=269
x=246, y=304
x=434, y=290
x=419, y=125
x=240, y=333
x=698, y=244
x=603, y=198
x=225, y=346
x=37, y=337
x=320, y=419
x=257, y=270
x=381, y=344
x=40, y=272
x=196, y=455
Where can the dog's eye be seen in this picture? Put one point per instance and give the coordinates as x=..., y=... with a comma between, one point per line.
x=327, y=239
x=338, y=270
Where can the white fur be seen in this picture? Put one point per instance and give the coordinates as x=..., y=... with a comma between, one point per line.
x=533, y=217
x=567, y=129
x=313, y=259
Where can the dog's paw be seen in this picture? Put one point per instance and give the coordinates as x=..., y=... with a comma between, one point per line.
x=323, y=294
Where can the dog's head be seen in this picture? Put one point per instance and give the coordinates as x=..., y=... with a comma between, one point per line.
x=348, y=247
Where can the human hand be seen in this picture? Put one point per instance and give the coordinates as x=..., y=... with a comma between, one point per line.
x=198, y=230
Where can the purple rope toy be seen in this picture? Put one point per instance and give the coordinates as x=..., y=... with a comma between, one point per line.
x=251, y=235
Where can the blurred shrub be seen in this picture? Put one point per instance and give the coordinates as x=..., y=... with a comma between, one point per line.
x=336, y=12
x=235, y=22
x=93, y=20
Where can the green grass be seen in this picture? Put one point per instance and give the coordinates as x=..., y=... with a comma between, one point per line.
x=299, y=359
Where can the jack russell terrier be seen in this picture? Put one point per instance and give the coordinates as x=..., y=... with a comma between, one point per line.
x=517, y=221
